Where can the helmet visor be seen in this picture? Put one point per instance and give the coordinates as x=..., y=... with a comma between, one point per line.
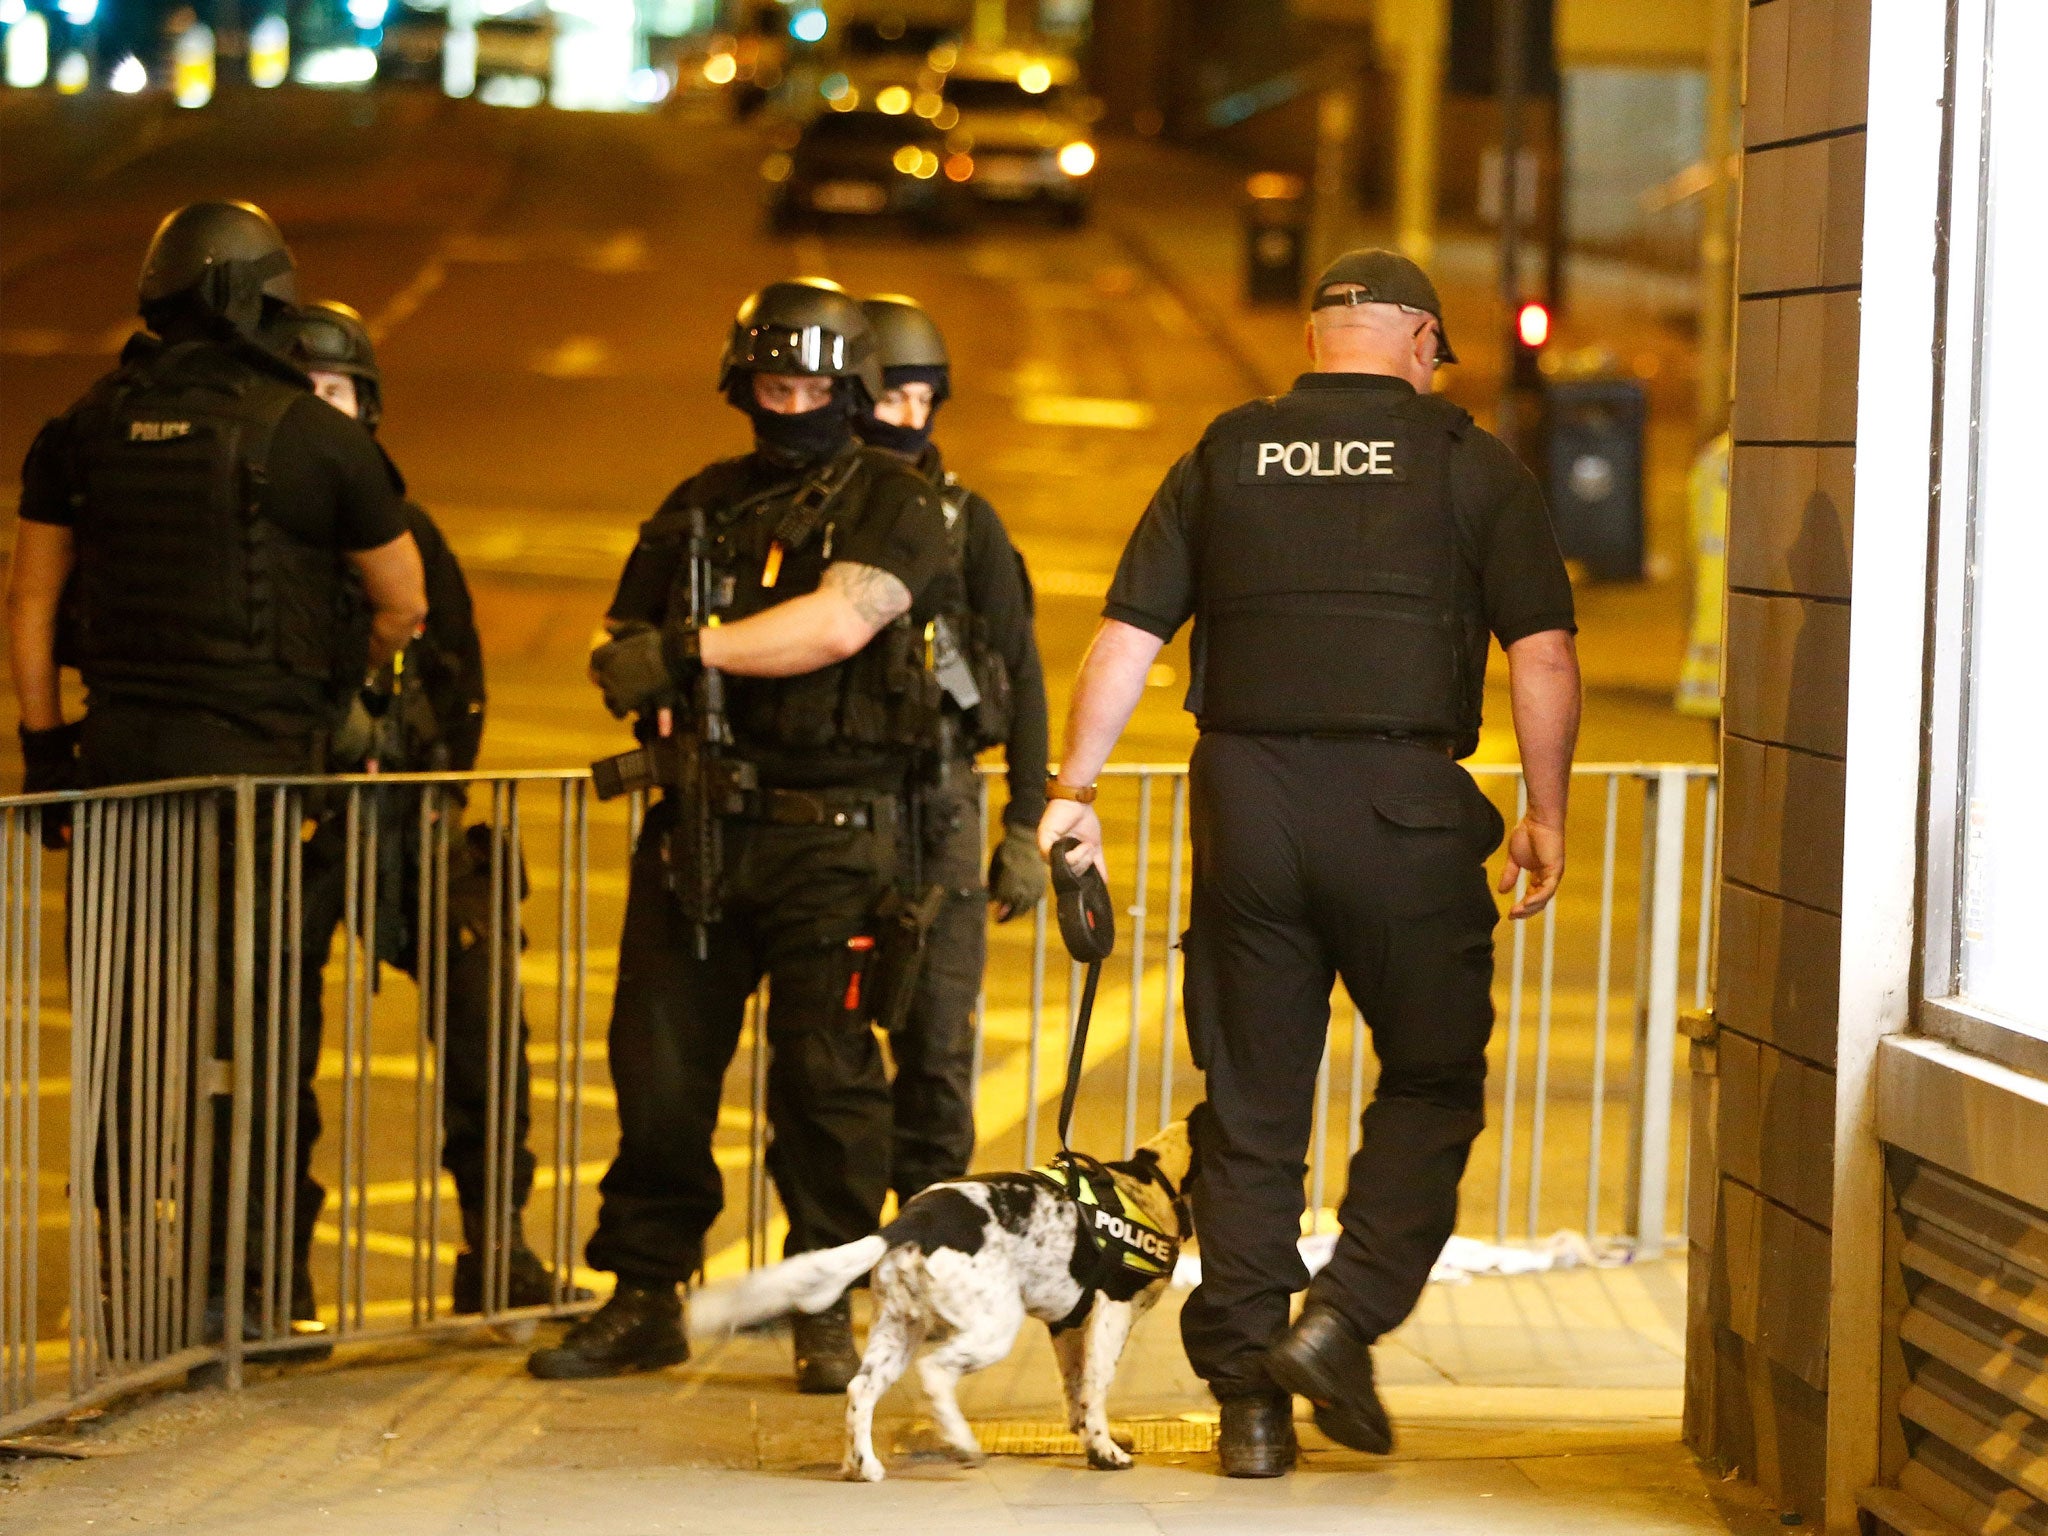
x=790, y=349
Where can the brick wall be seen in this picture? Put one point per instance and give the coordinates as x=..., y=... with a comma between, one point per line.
x=1757, y=1387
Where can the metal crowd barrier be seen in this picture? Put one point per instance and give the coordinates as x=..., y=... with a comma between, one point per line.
x=153, y=1028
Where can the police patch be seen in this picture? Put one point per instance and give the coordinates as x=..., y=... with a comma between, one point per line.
x=158, y=431
x=1305, y=462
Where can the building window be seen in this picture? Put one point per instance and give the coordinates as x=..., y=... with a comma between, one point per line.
x=1988, y=858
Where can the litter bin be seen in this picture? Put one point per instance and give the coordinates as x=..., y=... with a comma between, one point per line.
x=1275, y=238
x=1592, y=453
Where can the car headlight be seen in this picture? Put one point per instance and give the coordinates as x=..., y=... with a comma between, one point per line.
x=1077, y=158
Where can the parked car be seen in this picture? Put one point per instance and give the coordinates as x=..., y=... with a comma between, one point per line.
x=1022, y=130
x=863, y=164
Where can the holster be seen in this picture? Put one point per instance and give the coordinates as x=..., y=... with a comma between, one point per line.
x=902, y=924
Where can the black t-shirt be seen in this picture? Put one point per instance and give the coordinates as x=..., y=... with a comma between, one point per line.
x=1505, y=538
x=899, y=530
x=999, y=594
x=327, y=484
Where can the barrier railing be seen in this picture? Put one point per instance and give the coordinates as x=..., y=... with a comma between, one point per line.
x=205, y=946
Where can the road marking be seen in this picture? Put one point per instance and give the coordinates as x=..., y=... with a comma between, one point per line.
x=1085, y=411
x=578, y=357
x=409, y=298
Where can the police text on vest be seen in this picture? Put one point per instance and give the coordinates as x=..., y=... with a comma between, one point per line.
x=1268, y=462
x=157, y=431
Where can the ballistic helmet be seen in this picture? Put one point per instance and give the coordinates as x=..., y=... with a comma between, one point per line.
x=222, y=259
x=1383, y=277
x=330, y=337
x=908, y=339
x=807, y=325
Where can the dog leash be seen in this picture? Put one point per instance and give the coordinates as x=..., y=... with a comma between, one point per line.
x=1088, y=925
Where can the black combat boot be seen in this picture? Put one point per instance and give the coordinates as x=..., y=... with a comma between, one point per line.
x=639, y=1329
x=825, y=1357
x=1323, y=1358
x=528, y=1281
x=1257, y=1437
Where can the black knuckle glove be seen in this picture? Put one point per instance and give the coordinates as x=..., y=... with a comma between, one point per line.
x=49, y=759
x=632, y=670
x=1016, y=874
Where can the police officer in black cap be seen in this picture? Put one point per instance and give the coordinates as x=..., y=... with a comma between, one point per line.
x=424, y=712
x=988, y=664
x=1345, y=550
x=236, y=553
x=803, y=576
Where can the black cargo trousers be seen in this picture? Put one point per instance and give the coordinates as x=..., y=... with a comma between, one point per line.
x=466, y=1024
x=1319, y=858
x=800, y=904
x=933, y=1049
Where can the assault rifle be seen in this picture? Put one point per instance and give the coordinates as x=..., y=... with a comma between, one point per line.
x=704, y=782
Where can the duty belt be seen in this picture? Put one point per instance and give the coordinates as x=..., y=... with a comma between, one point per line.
x=1428, y=743
x=816, y=808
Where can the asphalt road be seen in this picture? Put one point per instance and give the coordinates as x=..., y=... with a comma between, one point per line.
x=549, y=294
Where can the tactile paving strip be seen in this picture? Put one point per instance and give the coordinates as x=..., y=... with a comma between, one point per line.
x=1018, y=1437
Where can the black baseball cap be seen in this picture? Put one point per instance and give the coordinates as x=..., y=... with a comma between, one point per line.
x=1384, y=277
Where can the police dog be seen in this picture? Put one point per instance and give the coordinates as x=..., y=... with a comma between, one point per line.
x=962, y=1267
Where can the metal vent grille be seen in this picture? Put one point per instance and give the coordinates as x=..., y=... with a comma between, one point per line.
x=1975, y=1337
x=1157, y=1437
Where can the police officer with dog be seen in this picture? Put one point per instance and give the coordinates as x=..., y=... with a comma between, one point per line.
x=770, y=632
x=986, y=656
x=1345, y=550
x=422, y=712
x=235, y=553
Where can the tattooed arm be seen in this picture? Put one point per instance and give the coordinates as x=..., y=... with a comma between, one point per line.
x=851, y=605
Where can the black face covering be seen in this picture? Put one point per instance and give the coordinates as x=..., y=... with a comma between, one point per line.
x=910, y=442
x=799, y=438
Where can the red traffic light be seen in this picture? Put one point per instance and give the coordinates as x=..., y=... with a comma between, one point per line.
x=1532, y=324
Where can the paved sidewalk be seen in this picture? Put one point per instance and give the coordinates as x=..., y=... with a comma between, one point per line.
x=1536, y=1405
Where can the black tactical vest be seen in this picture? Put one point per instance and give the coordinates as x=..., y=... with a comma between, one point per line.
x=767, y=549
x=985, y=723
x=1332, y=594
x=185, y=592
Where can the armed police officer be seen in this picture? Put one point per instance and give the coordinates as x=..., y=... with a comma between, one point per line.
x=237, y=549
x=769, y=630
x=986, y=657
x=1344, y=550
x=423, y=712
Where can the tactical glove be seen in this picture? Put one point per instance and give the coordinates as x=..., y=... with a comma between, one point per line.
x=632, y=670
x=1016, y=875
x=49, y=762
x=350, y=744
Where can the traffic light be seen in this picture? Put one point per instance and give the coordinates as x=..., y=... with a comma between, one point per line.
x=1532, y=335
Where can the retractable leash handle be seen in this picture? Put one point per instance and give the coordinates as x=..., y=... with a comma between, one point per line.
x=1088, y=925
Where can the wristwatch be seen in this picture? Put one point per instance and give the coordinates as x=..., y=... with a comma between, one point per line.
x=1083, y=794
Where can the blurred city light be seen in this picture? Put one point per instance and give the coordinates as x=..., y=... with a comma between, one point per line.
x=368, y=14
x=12, y=11
x=646, y=87
x=511, y=91
x=808, y=26
x=192, y=66
x=1034, y=79
x=596, y=50
x=1077, y=158
x=28, y=52
x=960, y=167
x=79, y=13
x=1532, y=324
x=892, y=99
x=930, y=104
x=270, y=52
x=128, y=76
x=833, y=86
x=337, y=67
x=721, y=69
x=74, y=73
